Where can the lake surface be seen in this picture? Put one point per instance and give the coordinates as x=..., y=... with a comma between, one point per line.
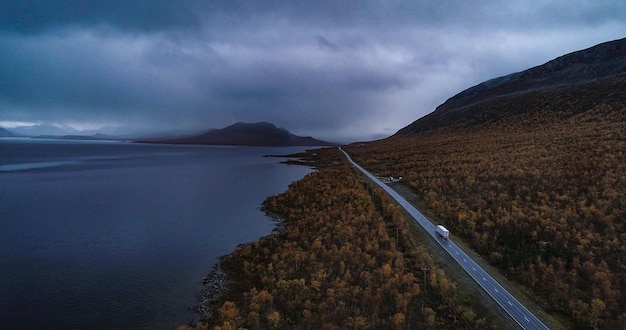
x=119, y=235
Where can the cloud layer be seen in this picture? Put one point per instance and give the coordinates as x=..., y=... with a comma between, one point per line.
x=340, y=70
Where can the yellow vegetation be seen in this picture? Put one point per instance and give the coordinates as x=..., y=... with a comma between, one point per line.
x=541, y=195
x=336, y=263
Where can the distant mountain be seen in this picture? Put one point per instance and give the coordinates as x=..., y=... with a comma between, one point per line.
x=5, y=132
x=42, y=129
x=248, y=134
x=577, y=81
x=97, y=136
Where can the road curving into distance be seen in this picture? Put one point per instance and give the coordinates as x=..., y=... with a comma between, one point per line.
x=517, y=311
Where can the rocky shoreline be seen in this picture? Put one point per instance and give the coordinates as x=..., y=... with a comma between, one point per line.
x=215, y=283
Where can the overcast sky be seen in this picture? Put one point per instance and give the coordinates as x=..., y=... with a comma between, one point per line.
x=336, y=70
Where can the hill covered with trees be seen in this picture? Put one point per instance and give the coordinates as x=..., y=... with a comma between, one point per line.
x=530, y=171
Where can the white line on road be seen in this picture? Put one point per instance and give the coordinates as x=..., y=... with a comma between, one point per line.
x=449, y=247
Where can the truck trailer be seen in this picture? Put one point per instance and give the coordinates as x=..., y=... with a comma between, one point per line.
x=442, y=231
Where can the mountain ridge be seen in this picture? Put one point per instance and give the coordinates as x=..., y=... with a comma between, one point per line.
x=528, y=170
x=6, y=133
x=246, y=134
x=594, y=65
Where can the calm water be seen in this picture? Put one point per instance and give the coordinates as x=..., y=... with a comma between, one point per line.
x=119, y=235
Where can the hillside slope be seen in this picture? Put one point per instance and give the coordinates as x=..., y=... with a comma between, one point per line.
x=599, y=70
x=531, y=174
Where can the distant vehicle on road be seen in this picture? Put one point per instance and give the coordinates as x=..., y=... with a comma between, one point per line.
x=443, y=232
x=525, y=318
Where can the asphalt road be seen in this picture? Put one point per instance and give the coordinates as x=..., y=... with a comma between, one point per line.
x=512, y=306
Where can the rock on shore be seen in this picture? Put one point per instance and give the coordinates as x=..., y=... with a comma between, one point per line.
x=214, y=285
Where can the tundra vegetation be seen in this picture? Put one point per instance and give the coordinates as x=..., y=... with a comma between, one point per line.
x=343, y=257
x=537, y=185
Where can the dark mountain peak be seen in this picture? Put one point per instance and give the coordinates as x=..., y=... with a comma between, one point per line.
x=5, y=132
x=242, y=125
x=259, y=127
x=249, y=134
x=589, y=66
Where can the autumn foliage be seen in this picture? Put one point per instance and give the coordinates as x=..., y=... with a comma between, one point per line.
x=342, y=258
x=538, y=188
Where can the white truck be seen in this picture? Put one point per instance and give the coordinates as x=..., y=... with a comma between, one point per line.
x=443, y=232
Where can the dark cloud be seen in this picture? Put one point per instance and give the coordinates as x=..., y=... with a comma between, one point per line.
x=327, y=44
x=333, y=69
x=33, y=16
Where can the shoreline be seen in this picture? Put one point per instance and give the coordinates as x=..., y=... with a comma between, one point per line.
x=356, y=271
x=215, y=283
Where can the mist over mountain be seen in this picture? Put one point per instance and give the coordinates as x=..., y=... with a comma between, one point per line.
x=248, y=134
x=577, y=81
x=5, y=132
